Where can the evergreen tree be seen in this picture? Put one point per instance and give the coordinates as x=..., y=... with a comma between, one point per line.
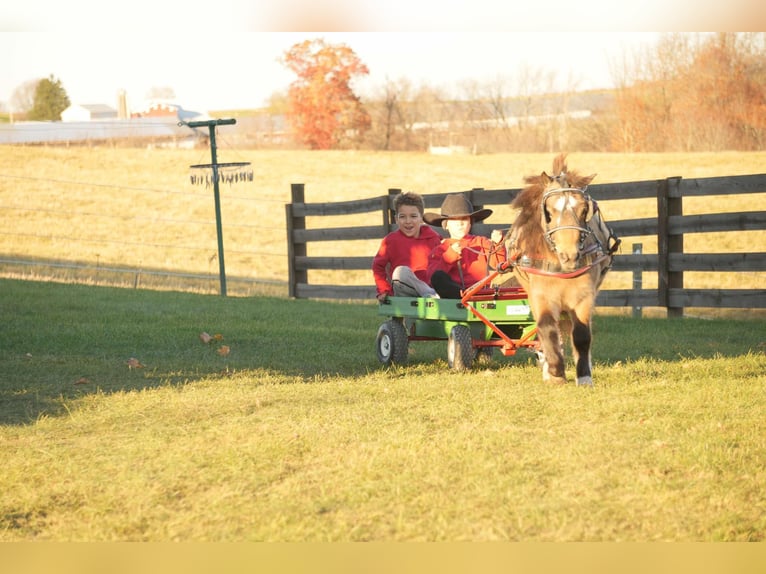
x=50, y=100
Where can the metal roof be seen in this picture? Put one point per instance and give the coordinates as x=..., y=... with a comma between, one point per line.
x=57, y=132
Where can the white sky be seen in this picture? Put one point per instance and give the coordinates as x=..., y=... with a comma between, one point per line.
x=241, y=69
x=223, y=54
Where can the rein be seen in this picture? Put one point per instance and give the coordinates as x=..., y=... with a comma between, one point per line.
x=492, y=252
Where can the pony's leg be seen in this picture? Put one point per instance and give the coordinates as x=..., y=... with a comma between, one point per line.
x=553, y=356
x=581, y=343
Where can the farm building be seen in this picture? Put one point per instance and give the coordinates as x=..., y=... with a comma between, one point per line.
x=166, y=110
x=157, y=122
x=163, y=131
x=88, y=112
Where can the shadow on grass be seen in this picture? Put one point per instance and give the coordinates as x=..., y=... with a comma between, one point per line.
x=64, y=342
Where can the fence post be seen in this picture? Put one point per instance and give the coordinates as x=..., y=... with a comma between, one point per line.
x=669, y=204
x=638, y=282
x=295, y=249
x=389, y=217
x=472, y=198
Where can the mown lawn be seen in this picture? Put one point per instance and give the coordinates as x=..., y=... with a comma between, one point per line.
x=298, y=434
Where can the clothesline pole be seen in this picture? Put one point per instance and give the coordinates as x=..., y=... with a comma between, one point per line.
x=211, y=125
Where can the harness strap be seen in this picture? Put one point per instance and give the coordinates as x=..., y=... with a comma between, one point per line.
x=539, y=270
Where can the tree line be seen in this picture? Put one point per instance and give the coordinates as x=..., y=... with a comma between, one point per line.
x=40, y=100
x=694, y=94
x=689, y=92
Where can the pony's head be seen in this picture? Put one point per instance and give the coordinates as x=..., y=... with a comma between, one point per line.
x=556, y=208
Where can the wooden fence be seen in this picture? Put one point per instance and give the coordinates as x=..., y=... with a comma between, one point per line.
x=670, y=225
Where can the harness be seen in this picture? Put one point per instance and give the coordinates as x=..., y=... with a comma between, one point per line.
x=603, y=242
x=549, y=231
x=544, y=267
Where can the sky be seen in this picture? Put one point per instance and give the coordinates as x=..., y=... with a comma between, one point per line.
x=242, y=69
x=225, y=54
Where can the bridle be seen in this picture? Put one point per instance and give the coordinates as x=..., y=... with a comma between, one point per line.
x=590, y=226
x=581, y=224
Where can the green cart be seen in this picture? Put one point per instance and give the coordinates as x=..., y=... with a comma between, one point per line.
x=474, y=326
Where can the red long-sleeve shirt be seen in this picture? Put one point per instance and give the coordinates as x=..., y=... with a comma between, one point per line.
x=397, y=249
x=472, y=261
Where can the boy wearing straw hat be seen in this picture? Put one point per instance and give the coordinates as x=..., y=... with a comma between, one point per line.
x=462, y=259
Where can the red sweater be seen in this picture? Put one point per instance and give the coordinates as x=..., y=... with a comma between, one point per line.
x=477, y=251
x=397, y=249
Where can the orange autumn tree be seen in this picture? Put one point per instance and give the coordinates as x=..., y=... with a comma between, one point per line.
x=322, y=107
x=703, y=93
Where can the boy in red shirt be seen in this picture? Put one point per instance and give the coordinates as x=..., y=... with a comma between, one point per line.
x=462, y=259
x=400, y=265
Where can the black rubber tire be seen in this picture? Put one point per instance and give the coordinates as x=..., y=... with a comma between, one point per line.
x=460, y=351
x=392, y=343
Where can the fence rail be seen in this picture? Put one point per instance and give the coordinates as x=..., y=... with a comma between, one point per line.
x=669, y=226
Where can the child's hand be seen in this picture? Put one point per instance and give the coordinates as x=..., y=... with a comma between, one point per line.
x=496, y=236
x=456, y=247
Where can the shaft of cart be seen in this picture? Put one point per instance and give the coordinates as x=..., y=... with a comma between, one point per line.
x=479, y=292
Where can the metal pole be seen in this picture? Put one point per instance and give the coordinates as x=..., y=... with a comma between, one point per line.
x=214, y=161
x=218, y=223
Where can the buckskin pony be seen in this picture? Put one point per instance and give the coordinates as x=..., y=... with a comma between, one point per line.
x=560, y=249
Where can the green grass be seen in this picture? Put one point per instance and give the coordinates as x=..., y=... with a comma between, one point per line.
x=300, y=435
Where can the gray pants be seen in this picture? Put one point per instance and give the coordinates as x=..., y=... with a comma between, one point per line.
x=406, y=284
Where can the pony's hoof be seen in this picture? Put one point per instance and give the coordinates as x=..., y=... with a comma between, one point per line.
x=584, y=381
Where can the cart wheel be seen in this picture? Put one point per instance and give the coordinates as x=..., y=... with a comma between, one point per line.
x=391, y=343
x=460, y=348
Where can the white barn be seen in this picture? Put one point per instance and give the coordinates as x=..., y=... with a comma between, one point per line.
x=88, y=112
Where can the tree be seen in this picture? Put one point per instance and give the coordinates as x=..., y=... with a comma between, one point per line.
x=703, y=93
x=390, y=114
x=322, y=108
x=23, y=99
x=50, y=100
x=391, y=128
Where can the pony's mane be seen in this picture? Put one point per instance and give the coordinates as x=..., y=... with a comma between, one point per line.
x=527, y=227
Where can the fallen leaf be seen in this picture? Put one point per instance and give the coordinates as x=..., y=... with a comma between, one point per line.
x=205, y=338
x=134, y=363
x=223, y=350
x=82, y=381
x=218, y=337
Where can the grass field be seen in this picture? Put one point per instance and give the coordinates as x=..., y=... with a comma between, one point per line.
x=136, y=208
x=298, y=434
